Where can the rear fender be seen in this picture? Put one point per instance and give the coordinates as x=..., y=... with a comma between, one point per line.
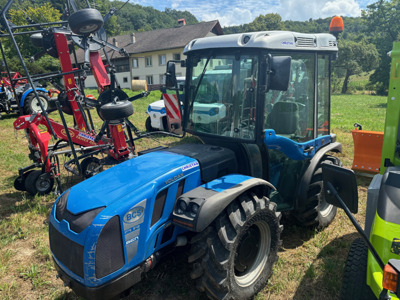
x=27, y=92
x=306, y=179
x=206, y=202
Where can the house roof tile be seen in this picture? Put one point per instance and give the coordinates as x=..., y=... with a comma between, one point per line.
x=160, y=39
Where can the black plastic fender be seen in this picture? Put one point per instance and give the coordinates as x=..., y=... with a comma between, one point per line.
x=208, y=203
x=388, y=206
x=306, y=179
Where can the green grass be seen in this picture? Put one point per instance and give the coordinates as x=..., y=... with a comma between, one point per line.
x=310, y=264
x=369, y=111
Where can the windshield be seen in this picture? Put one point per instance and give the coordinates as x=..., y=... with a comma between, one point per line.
x=223, y=95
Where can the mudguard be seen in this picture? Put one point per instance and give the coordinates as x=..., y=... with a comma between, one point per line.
x=27, y=92
x=206, y=202
x=306, y=179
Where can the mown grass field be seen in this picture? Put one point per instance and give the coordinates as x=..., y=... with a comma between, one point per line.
x=310, y=264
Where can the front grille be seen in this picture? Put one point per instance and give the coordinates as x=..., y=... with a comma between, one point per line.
x=109, y=251
x=69, y=253
x=159, y=206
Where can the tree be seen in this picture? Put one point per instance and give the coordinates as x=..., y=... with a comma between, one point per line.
x=266, y=22
x=261, y=23
x=355, y=58
x=26, y=13
x=383, y=26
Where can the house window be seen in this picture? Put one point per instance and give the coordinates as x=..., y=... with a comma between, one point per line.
x=162, y=79
x=149, y=79
x=162, y=60
x=122, y=68
x=125, y=79
x=177, y=56
x=135, y=63
x=149, y=61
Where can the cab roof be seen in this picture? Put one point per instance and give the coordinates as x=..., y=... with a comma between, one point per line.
x=274, y=40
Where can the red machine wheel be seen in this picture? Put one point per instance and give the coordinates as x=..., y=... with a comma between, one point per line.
x=39, y=183
x=116, y=111
x=91, y=166
x=19, y=182
x=85, y=21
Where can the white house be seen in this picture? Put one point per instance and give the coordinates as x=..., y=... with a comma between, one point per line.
x=150, y=51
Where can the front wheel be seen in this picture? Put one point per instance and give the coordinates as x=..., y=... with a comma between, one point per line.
x=32, y=105
x=149, y=128
x=233, y=257
x=316, y=212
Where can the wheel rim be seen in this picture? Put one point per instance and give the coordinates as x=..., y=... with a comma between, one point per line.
x=88, y=28
x=91, y=168
x=36, y=106
x=43, y=184
x=252, y=254
x=324, y=207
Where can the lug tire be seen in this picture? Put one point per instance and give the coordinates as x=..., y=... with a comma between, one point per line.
x=234, y=256
x=354, y=282
x=85, y=21
x=116, y=111
x=316, y=212
x=31, y=104
x=91, y=166
x=39, y=183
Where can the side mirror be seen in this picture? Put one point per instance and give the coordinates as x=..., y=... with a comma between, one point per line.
x=340, y=183
x=279, y=75
x=170, y=76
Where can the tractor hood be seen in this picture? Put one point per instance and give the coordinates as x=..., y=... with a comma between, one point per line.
x=113, y=184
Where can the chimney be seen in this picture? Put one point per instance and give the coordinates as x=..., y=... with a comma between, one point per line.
x=115, y=42
x=133, y=38
x=181, y=22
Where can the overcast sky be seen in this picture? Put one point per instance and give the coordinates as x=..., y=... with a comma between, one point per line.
x=236, y=12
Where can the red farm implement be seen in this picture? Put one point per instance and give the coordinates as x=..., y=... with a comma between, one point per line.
x=82, y=28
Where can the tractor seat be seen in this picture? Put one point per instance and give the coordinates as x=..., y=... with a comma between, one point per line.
x=284, y=118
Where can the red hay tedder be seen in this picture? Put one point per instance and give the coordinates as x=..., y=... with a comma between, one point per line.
x=84, y=28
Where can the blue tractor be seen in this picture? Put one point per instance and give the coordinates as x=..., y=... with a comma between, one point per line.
x=265, y=127
x=25, y=101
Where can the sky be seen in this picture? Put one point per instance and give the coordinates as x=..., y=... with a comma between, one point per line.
x=237, y=12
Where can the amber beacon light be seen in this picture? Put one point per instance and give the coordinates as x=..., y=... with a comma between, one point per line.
x=336, y=26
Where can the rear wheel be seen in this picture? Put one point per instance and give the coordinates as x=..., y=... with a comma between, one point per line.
x=354, y=284
x=31, y=104
x=316, y=212
x=233, y=257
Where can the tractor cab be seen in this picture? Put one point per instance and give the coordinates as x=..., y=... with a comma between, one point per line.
x=275, y=81
x=265, y=95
